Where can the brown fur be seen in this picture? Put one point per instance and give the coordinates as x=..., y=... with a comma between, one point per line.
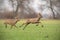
x=11, y=22
x=33, y=21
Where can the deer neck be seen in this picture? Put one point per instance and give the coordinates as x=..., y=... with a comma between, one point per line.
x=16, y=20
x=38, y=18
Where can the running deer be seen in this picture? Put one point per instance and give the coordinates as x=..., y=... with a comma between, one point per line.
x=33, y=21
x=11, y=22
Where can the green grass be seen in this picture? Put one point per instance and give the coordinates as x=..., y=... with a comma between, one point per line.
x=50, y=31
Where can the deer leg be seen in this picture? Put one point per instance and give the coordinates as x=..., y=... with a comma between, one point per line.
x=37, y=24
x=22, y=25
x=26, y=25
x=41, y=24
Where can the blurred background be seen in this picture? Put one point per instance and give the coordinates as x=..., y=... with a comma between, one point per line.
x=50, y=9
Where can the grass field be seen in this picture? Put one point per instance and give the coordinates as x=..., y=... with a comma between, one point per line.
x=50, y=31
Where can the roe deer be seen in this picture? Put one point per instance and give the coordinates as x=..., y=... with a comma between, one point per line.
x=33, y=21
x=11, y=22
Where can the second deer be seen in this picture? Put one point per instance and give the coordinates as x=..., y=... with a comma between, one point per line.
x=11, y=22
x=33, y=21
